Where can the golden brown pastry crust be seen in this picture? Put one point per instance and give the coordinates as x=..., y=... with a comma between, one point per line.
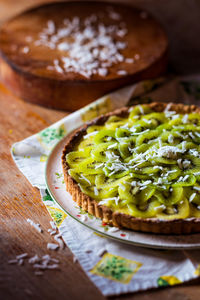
x=153, y=225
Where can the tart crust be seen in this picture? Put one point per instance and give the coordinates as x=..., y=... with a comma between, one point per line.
x=114, y=218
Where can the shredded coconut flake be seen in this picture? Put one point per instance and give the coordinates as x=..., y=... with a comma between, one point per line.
x=83, y=218
x=96, y=192
x=112, y=146
x=197, y=134
x=185, y=119
x=36, y=226
x=113, y=229
x=121, y=72
x=25, y=50
x=179, y=162
x=58, y=238
x=196, y=188
x=34, y=259
x=196, y=173
x=185, y=177
x=23, y=255
x=192, y=135
x=13, y=261
x=101, y=252
x=90, y=134
x=20, y=262
x=52, y=246
x=53, y=225
x=74, y=259
x=53, y=266
x=170, y=139
x=84, y=178
x=53, y=232
x=192, y=197
x=39, y=273
x=186, y=163
x=88, y=46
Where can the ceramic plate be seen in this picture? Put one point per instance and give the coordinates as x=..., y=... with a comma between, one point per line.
x=56, y=187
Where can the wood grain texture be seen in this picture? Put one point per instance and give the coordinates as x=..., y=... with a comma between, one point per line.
x=19, y=200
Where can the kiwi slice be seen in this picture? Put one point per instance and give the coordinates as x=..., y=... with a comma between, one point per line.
x=146, y=164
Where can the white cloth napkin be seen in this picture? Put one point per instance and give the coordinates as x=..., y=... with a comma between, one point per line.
x=114, y=267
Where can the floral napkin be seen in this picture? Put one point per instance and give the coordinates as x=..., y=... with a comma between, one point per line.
x=114, y=267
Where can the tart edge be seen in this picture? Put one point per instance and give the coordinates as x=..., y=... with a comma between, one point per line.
x=117, y=219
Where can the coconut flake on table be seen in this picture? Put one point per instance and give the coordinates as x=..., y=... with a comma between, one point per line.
x=54, y=260
x=51, y=267
x=39, y=266
x=74, y=259
x=34, y=259
x=52, y=232
x=20, y=262
x=52, y=246
x=35, y=225
x=20, y=256
x=58, y=238
x=13, y=261
x=39, y=273
x=53, y=225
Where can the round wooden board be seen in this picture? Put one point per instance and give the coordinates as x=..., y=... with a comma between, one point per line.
x=25, y=65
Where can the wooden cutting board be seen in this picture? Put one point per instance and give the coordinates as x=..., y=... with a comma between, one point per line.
x=35, y=70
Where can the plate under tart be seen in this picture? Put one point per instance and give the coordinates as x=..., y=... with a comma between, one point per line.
x=56, y=188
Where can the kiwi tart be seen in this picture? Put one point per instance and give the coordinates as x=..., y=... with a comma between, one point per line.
x=139, y=168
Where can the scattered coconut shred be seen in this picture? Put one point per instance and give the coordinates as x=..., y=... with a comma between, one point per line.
x=39, y=264
x=87, y=46
x=46, y=262
x=35, y=225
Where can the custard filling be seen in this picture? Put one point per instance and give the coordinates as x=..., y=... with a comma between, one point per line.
x=145, y=165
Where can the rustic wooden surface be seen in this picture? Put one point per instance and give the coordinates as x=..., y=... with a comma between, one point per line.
x=19, y=200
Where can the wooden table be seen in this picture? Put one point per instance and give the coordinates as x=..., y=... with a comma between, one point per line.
x=19, y=200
